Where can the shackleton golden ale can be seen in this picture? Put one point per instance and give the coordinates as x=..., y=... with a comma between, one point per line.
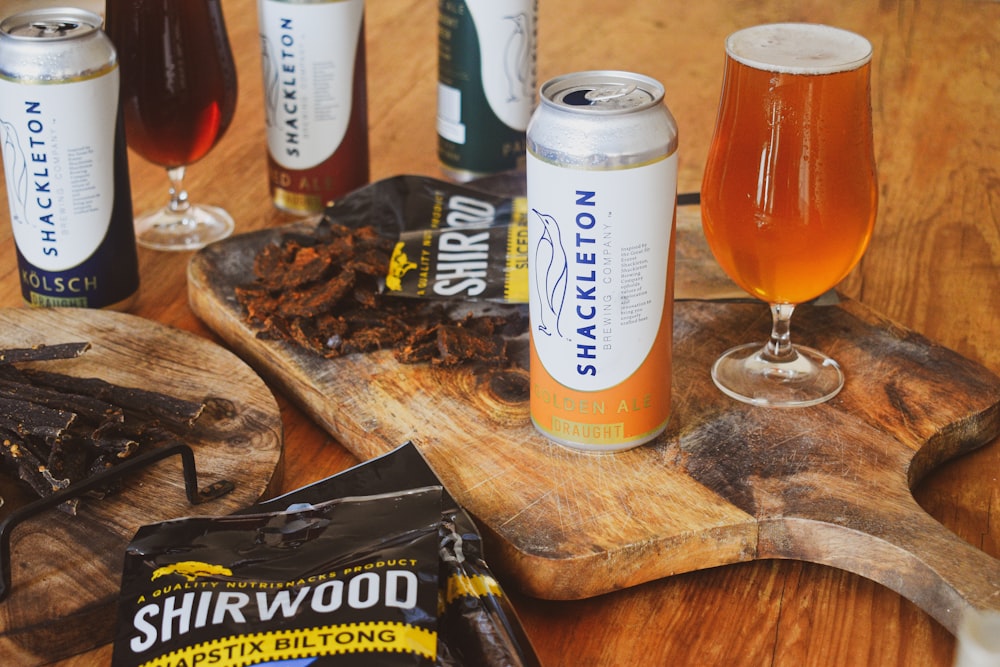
x=65, y=160
x=602, y=186
x=315, y=100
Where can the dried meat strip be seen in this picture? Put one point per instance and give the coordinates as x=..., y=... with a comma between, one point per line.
x=69, y=459
x=43, y=352
x=325, y=294
x=85, y=406
x=28, y=419
x=58, y=429
x=287, y=268
x=457, y=345
x=161, y=406
x=25, y=463
x=318, y=300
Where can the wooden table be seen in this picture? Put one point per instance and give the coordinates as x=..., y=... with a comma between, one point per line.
x=933, y=266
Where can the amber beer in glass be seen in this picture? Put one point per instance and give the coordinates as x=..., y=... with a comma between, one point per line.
x=789, y=192
x=179, y=93
x=178, y=100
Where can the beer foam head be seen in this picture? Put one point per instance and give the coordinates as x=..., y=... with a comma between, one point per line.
x=799, y=48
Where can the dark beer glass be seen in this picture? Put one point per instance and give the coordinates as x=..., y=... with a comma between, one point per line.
x=178, y=98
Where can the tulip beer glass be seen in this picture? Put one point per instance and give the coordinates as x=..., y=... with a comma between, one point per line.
x=178, y=98
x=789, y=193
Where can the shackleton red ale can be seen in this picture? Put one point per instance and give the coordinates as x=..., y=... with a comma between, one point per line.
x=602, y=186
x=486, y=84
x=315, y=100
x=65, y=160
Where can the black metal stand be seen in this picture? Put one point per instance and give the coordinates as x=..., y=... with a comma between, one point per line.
x=194, y=494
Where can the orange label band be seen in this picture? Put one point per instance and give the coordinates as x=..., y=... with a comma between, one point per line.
x=625, y=415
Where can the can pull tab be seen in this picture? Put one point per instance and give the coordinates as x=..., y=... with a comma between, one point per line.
x=607, y=93
x=54, y=28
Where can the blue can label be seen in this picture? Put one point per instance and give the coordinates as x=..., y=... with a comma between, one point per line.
x=72, y=225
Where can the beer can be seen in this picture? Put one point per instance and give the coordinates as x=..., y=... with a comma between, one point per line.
x=315, y=100
x=602, y=186
x=486, y=84
x=65, y=160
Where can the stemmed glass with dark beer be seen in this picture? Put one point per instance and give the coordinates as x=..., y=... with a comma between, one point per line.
x=178, y=97
x=789, y=193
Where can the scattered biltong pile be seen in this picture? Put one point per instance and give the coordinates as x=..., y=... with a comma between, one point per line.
x=59, y=429
x=323, y=291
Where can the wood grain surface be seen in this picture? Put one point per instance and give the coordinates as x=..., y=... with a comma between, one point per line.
x=727, y=482
x=933, y=266
x=66, y=570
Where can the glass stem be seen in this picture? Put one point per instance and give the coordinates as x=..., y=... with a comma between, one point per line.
x=178, y=196
x=779, y=348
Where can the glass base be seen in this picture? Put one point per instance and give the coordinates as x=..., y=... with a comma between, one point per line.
x=195, y=228
x=808, y=378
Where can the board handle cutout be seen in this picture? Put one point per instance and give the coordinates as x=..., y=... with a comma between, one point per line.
x=899, y=545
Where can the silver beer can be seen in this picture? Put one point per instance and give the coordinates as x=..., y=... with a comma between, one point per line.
x=65, y=160
x=602, y=190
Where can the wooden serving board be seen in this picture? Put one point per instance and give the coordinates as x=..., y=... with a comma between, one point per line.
x=726, y=483
x=66, y=570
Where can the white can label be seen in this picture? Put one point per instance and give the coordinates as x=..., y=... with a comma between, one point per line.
x=58, y=154
x=506, y=33
x=598, y=251
x=308, y=53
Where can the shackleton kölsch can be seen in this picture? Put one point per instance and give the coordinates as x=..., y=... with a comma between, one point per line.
x=486, y=84
x=65, y=160
x=602, y=185
x=315, y=100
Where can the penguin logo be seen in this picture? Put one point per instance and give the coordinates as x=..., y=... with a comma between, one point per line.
x=551, y=275
x=517, y=59
x=269, y=65
x=17, y=172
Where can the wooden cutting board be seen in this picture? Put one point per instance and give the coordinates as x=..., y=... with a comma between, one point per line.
x=726, y=483
x=66, y=570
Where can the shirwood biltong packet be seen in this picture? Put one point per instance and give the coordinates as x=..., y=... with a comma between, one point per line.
x=349, y=582
x=432, y=271
x=451, y=241
x=374, y=566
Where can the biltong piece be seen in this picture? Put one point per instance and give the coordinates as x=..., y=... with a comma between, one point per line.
x=324, y=293
x=42, y=352
x=58, y=429
x=473, y=339
x=152, y=404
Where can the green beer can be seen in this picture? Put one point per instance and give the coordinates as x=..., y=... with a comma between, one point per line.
x=486, y=84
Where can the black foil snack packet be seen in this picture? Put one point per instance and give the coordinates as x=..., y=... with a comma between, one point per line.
x=476, y=624
x=452, y=241
x=388, y=514
x=477, y=627
x=352, y=581
x=432, y=271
